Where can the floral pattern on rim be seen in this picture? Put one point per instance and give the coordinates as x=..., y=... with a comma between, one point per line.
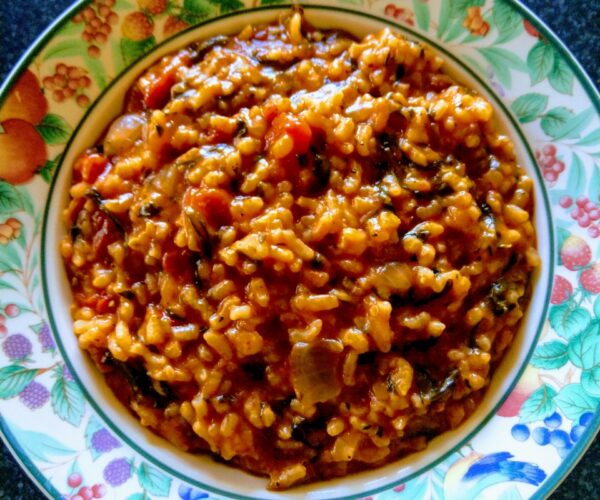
x=555, y=399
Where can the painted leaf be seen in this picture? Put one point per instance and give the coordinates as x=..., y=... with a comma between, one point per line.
x=595, y=190
x=54, y=129
x=47, y=171
x=66, y=48
x=97, y=71
x=590, y=381
x=228, y=5
x=540, y=61
x=71, y=28
x=5, y=285
x=573, y=401
x=576, y=179
x=506, y=57
x=421, y=10
x=9, y=197
x=124, y=5
x=502, y=61
x=26, y=201
x=67, y=401
x=40, y=446
x=529, y=106
x=153, y=481
x=444, y=20
x=137, y=496
x=92, y=427
x=456, y=29
x=132, y=50
x=539, y=405
x=507, y=21
x=271, y=2
x=561, y=77
x=117, y=56
x=569, y=322
x=574, y=126
x=554, y=119
x=597, y=307
x=13, y=379
x=10, y=256
x=195, y=11
x=474, y=64
x=550, y=356
x=591, y=139
x=584, y=348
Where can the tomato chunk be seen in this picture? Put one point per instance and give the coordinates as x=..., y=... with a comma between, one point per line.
x=156, y=84
x=91, y=166
x=211, y=203
x=179, y=263
x=295, y=127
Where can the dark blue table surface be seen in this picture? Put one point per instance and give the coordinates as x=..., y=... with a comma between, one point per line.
x=577, y=23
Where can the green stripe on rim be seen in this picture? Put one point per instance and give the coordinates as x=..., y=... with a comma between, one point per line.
x=552, y=482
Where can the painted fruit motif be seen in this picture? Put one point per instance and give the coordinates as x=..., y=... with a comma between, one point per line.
x=22, y=150
x=575, y=253
x=529, y=382
x=26, y=101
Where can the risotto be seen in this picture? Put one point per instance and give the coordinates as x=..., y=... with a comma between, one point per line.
x=302, y=253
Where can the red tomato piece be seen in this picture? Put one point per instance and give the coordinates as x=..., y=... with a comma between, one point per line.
x=100, y=302
x=178, y=263
x=91, y=166
x=295, y=127
x=212, y=203
x=156, y=84
x=104, y=234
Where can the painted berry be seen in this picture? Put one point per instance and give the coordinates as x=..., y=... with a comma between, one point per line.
x=575, y=253
x=565, y=450
x=45, y=338
x=34, y=396
x=12, y=310
x=559, y=438
x=74, y=480
x=586, y=418
x=174, y=25
x=561, y=291
x=86, y=493
x=520, y=432
x=590, y=278
x=103, y=441
x=553, y=421
x=530, y=29
x=137, y=26
x=566, y=201
x=17, y=347
x=576, y=432
x=117, y=472
x=541, y=436
x=186, y=492
x=99, y=490
x=153, y=6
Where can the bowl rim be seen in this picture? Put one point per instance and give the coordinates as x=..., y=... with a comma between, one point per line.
x=516, y=372
x=578, y=449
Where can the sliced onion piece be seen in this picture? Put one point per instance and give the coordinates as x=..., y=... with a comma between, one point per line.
x=123, y=133
x=315, y=373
